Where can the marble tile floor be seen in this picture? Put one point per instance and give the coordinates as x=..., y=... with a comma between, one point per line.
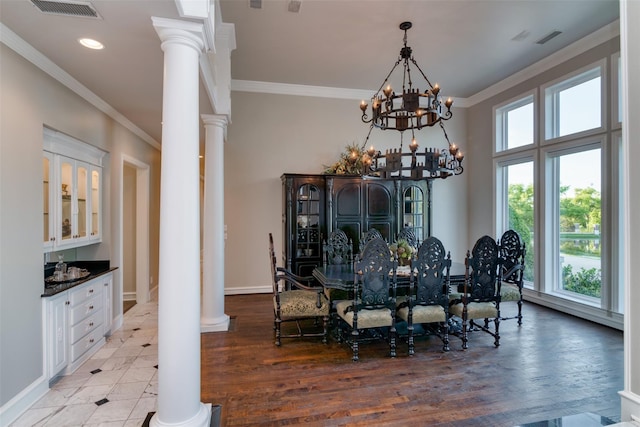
x=117, y=387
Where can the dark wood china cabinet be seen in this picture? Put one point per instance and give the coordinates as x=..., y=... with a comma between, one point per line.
x=315, y=205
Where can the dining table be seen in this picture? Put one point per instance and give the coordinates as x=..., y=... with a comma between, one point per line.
x=342, y=276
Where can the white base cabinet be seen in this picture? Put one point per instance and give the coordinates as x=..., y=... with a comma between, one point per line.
x=77, y=321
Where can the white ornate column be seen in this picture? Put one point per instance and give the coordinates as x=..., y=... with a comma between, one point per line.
x=179, y=272
x=213, y=317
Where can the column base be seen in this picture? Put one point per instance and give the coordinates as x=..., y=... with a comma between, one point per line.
x=209, y=415
x=218, y=324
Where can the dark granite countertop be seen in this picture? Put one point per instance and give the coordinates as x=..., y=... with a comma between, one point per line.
x=95, y=269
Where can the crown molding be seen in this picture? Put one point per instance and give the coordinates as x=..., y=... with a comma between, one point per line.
x=22, y=48
x=299, y=90
x=600, y=36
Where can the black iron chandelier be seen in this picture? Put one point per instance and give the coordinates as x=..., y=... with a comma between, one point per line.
x=409, y=110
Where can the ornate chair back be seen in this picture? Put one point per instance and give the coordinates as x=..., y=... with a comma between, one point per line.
x=338, y=249
x=409, y=235
x=484, y=262
x=512, y=252
x=371, y=234
x=375, y=273
x=432, y=267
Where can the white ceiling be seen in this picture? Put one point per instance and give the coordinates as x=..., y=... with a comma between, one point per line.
x=463, y=45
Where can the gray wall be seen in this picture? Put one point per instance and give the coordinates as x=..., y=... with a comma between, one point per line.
x=31, y=99
x=275, y=134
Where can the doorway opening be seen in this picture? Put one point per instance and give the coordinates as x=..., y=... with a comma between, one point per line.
x=134, y=240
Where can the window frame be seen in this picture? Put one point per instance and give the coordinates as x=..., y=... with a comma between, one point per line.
x=549, y=127
x=501, y=189
x=552, y=270
x=500, y=122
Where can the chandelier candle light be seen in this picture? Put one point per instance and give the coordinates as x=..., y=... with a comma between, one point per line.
x=410, y=110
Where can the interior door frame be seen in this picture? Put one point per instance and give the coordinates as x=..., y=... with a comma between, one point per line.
x=142, y=226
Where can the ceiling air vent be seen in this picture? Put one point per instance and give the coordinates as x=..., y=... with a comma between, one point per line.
x=549, y=36
x=67, y=8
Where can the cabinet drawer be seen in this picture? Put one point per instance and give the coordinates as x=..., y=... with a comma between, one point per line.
x=85, y=343
x=86, y=325
x=85, y=309
x=84, y=292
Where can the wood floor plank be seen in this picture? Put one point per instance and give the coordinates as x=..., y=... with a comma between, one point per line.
x=553, y=365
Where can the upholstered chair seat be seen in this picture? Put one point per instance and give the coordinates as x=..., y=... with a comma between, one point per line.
x=421, y=313
x=476, y=310
x=376, y=318
x=298, y=303
x=509, y=292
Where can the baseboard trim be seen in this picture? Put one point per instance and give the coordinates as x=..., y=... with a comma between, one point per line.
x=17, y=406
x=248, y=290
x=630, y=406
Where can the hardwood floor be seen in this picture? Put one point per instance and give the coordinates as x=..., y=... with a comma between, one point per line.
x=553, y=365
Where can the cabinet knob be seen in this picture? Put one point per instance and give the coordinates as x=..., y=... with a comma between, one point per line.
x=90, y=291
x=91, y=340
x=91, y=307
x=66, y=303
x=90, y=323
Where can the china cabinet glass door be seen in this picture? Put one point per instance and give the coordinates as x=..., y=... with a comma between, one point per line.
x=66, y=196
x=413, y=211
x=308, y=221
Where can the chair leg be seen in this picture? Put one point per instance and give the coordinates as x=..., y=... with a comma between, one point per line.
x=410, y=340
x=445, y=336
x=497, y=335
x=520, y=312
x=325, y=324
x=354, y=337
x=465, y=338
x=276, y=324
x=392, y=340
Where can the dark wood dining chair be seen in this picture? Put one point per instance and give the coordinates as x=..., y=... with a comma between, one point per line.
x=408, y=234
x=370, y=315
x=480, y=298
x=512, y=252
x=427, y=303
x=371, y=234
x=337, y=249
x=295, y=301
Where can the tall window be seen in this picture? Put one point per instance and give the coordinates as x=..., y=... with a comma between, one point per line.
x=577, y=222
x=559, y=185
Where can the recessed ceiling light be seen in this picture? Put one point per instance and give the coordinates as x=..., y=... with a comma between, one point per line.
x=91, y=44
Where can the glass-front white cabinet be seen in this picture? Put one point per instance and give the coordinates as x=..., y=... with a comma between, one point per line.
x=72, y=193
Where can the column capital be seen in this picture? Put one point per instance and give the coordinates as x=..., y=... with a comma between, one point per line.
x=219, y=120
x=182, y=32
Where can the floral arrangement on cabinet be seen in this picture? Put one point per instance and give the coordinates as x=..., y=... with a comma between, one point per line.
x=351, y=161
